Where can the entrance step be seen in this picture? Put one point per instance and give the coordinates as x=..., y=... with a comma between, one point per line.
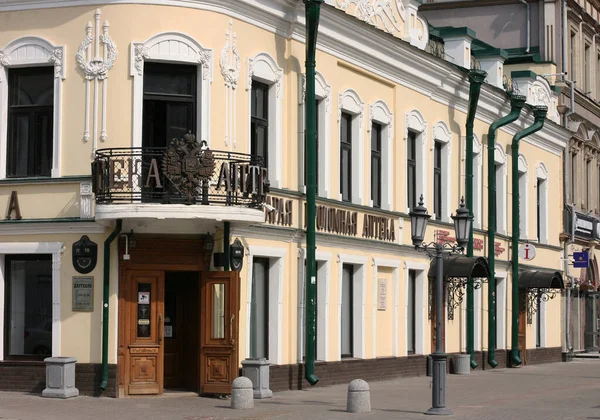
x=587, y=355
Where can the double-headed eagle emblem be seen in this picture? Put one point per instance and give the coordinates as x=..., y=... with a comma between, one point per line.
x=187, y=165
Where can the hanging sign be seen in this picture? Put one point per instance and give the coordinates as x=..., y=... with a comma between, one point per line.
x=85, y=255
x=581, y=259
x=527, y=252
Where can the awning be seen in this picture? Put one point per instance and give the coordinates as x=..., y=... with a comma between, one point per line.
x=462, y=267
x=540, y=279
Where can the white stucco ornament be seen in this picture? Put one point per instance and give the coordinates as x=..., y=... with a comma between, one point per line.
x=377, y=11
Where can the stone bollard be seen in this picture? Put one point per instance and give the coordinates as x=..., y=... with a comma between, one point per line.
x=60, y=377
x=359, y=397
x=242, y=395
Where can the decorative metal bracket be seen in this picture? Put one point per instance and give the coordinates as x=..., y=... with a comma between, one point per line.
x=456, y=287
x=534, y=297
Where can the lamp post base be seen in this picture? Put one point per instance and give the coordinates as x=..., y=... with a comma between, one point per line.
x=438, y=390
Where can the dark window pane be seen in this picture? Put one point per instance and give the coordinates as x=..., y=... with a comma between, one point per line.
x=169, y=79
x=411, y=312
x=437, y=181
x=347, y=313
x=259, y=135
x=259, y=310
x=376, y=181
x=30, y=122
x=144, y=311
x=411, y=171
x=29, y=305
x=346, y=157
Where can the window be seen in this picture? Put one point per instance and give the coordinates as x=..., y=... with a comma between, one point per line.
x=587, y=60
x=538, y=322
x=259, y=311
x=573, y=173
x=499, y=195
x=411, y=170
x=347, y=310
x=588, y=185
x=437, y=180
x=30, y=121
x=411, y=320
x=376, y=164
x=542, y=204
x=317, y=105
x=573, y=56
x=522, y=205
x=346, y=157
x=538, y=213
x=169, y=103
x=28, y=303
x=259, y=125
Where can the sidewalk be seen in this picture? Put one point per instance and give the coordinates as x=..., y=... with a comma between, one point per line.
x=545, y=392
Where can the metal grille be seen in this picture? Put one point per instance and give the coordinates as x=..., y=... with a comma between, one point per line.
x=183, y=173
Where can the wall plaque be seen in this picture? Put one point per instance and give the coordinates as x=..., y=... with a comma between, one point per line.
x=83, y=294
x=381, y=294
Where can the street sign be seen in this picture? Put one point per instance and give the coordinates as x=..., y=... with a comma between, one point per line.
x=527, y=252
x=581, y=259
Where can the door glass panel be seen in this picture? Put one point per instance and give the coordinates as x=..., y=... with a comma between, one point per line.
x=218, y=312
x=143, y=321
x=347, y=300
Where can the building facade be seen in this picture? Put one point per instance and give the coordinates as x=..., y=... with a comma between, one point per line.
x=136, y=153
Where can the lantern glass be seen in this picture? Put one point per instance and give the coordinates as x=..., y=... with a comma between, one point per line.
x=418, y=223
x=462, y=224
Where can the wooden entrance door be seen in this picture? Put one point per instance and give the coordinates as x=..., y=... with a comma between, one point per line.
x=145, y=351
x=219, y=332
x=523, y=324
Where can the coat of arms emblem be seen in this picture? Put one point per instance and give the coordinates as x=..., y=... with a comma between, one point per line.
x=188, y=165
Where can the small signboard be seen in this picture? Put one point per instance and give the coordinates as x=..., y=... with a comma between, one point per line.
x=527, y=252
x=382, y=295
x=581, y=259
x=143, y=298
x=83, y=294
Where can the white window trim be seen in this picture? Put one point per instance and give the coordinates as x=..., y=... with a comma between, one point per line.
x=542, y=326
x=523, y=169
x=263, y=68
x=417, y=124
x=358, y=304
x=394, y=302
x=276, y=258
x=477, y=182
x=379, y=113
x=323, y=95
x=421, y=269
x=350, y=102
x=172, y=47
x=442, y=134
x=32, y=51
x=500, y=159
x=542, y=173
x=501, y=309
x=54, y=248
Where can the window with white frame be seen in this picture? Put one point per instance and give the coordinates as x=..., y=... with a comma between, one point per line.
x=351, y=303
x=540, y=322
x=415, y=306
x=442, y=179
x=415, y=135
x=323, y=103
x=542, y=203
x=30, y=295
x=501, y=200
x=382, y=132
x=264, y=69
x=501, y=308
x=376, y=164
x=477, y=183
x=172, y=48
x=350, y=119
x=411, y=312
x=523, y=197
x=264, y=300
x=31, y=75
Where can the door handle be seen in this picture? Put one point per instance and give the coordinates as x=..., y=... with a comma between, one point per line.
x=231, y=339
x=160, y=328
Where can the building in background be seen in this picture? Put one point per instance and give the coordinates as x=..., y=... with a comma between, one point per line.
x=164, y=143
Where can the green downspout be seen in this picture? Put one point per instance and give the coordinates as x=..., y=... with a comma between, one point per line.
x=476, y=78
x=313, y=10
x=516, y=105
x=105, y=297
x=539, y=113
x=226, y=244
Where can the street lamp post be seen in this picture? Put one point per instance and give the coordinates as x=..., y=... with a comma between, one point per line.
x=437, y=250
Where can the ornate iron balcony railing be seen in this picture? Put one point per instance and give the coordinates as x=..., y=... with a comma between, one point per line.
x=183, y=173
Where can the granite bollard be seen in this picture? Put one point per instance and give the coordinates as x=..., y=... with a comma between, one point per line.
x=242, y=394
x=359, y=397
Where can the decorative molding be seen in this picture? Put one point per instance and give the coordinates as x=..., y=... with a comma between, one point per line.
x=231, y=64
x=172, y=47
x=541, y=172
x=350, y=102
x=523, y=166
x=272, y=73
x=27, y=52
x=374, y=12
x=96, y=69
x=85, y=200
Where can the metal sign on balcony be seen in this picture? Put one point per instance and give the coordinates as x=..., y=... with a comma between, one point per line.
x=185, y=172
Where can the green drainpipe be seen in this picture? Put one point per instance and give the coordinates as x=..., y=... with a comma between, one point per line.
x=476, y=78
x=313, y=10
x=516, y=105
x=539, y=113
x=105, y=297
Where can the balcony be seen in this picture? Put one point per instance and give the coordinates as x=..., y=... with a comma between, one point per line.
x=182, y=181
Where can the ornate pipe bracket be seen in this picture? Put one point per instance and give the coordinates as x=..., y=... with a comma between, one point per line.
x=534, y=298
x=456, y=288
